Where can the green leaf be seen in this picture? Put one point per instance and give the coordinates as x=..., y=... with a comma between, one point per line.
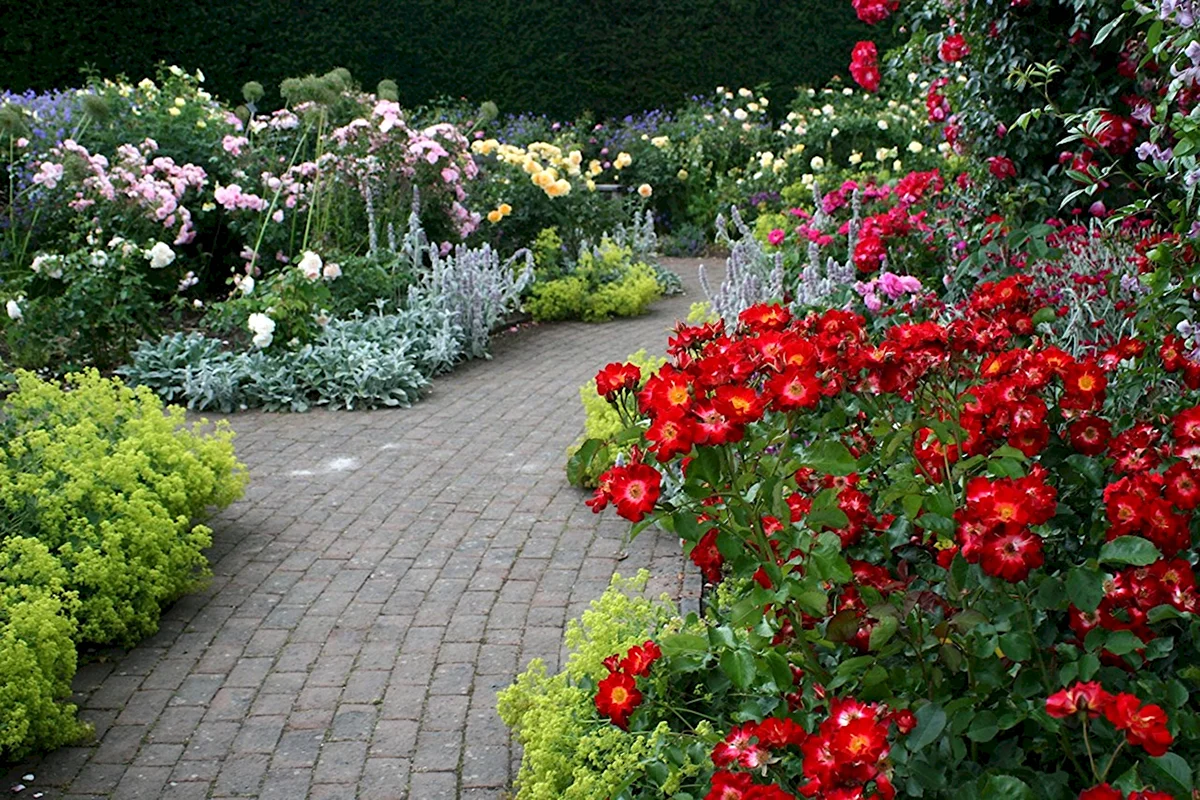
x=931, y=721
x=1006, y=787
x=739, y=666
x=1017, y=645
x=1091, y=469
x=1085, y=588
x=1175, y=771
x=984, y=727
x=1133, y=550
x=1122, y=642
x=883, y=631
x=683, y=643
x=830, y=457
x=579, y=463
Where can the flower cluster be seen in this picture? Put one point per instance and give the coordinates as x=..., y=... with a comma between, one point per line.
x=1144, y=724
x=617, y=695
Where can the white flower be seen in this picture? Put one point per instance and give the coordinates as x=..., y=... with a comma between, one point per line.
x=897, y=165
x=744, y=92
x=14, y=310
x=331, y=271
x=817, y=163
x=99, y=258
x=310, y=265
x=244, y=283
x=883, y=124
x=161, y=255
x=740, y=114
x=264, y=329
x=48, y=265
x=915, y=147
x=834, y=132
x=856, y=157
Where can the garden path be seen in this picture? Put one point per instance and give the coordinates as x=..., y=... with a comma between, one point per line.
x=385, y=574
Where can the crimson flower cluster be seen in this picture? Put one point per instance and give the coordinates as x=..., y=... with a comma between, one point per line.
x=617, y=695
x=864, y=66
x=846, y=758
x=995, y=525
x=1144, y=724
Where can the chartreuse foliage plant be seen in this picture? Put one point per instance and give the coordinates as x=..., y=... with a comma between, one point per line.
x=100, y=487
x=603, y=284
x=571, y=751
x=37, y=649
x=602, y=426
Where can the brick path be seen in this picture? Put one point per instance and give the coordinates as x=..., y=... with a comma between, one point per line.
x=385, y=574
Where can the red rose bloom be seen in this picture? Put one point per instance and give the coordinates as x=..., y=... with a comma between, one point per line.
x=1144, y=725
x=1090, y=435
x=954, y=48
x=869, y=253
x=1102, y=792
x=615, y=377
x=640, y=658
x=874, y=11
x=633, y=489
x=1012, y=556
x=1081, y=698
x=1002, y=167
x=617, y=697
x=864, y=66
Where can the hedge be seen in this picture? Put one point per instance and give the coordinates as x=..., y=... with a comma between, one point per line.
x=610, y=57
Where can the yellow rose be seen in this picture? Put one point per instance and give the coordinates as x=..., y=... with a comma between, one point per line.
x=494, y=216
x=505, y=209
x=173, y=111
x=682, y=174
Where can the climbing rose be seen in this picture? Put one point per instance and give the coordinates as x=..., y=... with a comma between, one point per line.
x=874, y=11
x=864, y=66
x=1002, y=167
x=954, y=48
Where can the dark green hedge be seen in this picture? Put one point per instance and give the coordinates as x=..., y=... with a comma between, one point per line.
x=554, y=56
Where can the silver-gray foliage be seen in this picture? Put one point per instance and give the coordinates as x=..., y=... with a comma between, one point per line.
x=752, y=275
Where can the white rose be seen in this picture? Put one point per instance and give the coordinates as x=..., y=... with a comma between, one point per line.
x=883, y=124
x=263, y=327
x=331, y=272
x=817, y=163
x=14, y=310
x=160, y=255
x=915, y=147
x=740, y=114
x=310, y=265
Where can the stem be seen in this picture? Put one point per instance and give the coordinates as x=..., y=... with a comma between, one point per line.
x=1111, y=760
x=1087, y=744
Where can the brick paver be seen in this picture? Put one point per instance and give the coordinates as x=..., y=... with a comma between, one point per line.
x=386, y=573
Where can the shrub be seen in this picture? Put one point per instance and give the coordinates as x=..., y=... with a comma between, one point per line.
x=37, y=651
x=110, y=483
x=603, y=284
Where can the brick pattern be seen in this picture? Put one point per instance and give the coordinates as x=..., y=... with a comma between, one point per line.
x=386, y=573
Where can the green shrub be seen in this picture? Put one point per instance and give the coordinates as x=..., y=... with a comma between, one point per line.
x=568, y=752
x=605, y=283
x=110, y=483
x=37, y=653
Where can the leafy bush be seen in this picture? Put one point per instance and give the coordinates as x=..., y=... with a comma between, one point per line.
x=106, y=480
x=566, y=753
x=603, y=284
x=37, y=650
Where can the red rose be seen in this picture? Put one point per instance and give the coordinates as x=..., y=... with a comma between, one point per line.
x=874, y=11
x=1002, y=167
x=954, y=48
x=617, y=697
x=1081, y=698
x=864, y=66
